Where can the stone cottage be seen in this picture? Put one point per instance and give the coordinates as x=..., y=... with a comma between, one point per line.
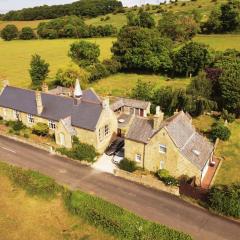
x=83, y=114
x=172, y=144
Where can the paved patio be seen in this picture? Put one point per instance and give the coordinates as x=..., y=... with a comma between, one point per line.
x=207, y=180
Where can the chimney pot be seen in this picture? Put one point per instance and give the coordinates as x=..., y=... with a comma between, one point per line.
x=39, y=102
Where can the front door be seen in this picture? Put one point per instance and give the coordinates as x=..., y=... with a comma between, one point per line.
x=62, y=139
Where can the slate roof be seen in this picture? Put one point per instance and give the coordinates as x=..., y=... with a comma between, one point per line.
x=182, y=133
x=141, y=130
x=129, y=103
x=84, y=115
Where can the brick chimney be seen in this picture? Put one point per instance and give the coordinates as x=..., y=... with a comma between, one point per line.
x=39, y=102
x=158, y=118
x=45, y=87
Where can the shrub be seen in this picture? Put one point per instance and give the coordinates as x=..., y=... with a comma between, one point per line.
x=27, y=33
x=225, y=199
x=220, y=131
x=165, y=177
x=230, y=117
x=41, y=129
x=128, y=165
x=15, y=125
x=80, y=151
x=112, y=65
x=115, y=220
x=97, y=71
x=33, y=182
x=9, y=32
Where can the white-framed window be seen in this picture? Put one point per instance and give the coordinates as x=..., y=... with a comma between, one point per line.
x=161, y=164
x=162, y=148
x=30, y=118
x=16, y=115
x=106, y=130
x=51, y=124
x=138, y=157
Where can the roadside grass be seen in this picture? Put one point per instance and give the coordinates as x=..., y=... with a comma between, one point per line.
x=121, y=84
x=25, y=217
x=95, y=211
x=227, y=150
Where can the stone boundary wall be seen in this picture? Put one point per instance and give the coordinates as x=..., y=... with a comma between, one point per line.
x=48, y=148
x=147, y=180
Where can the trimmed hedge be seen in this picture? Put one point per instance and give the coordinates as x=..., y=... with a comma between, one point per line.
x=117, y=221
x=33, y=183
x=127, y=165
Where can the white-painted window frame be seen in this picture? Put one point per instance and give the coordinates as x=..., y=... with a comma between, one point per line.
x=30, y=118
x=161, y=147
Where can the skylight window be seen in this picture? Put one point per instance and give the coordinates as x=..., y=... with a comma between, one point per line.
x=196, y=152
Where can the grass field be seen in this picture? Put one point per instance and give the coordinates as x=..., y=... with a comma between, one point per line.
x=228, y=151
x=23, y=217
x=15, y=56
x=121, y=83
x=220, y=42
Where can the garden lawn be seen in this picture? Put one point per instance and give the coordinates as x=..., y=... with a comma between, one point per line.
x=230, y=152
x=24, y=217
x=15, y=56
x=121, y=84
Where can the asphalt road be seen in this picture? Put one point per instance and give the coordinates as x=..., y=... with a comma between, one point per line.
x=149, y=203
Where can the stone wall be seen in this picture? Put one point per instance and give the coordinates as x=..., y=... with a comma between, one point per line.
x=147, y=180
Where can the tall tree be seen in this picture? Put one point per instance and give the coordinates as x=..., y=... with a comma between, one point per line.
x=84, y=53
x=143, y=49
x=27, y=33
x=39, y=70
x=191, y=58
x=178, y=27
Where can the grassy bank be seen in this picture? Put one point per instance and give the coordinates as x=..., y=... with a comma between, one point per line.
x=97, y=212
x=25, y=217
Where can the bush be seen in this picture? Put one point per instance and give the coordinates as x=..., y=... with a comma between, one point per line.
x=220, y=131
x=230, y=117
x=33, y=182
x=27, y=33
x=225, y=199
x=115, y=220
x=9, y=32
x=16, y=125
x=97, y=71
x=165, y=177
x=112, y=65
x=80, y=151
x=41, y=129
x=128, y=165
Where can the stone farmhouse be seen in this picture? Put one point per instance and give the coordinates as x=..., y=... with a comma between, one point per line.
x=153, y=142
x=84, y=115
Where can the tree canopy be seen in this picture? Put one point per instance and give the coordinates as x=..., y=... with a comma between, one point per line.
x=9, y=32
x=84, y=53
x=143, y=49
x=88, y=8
